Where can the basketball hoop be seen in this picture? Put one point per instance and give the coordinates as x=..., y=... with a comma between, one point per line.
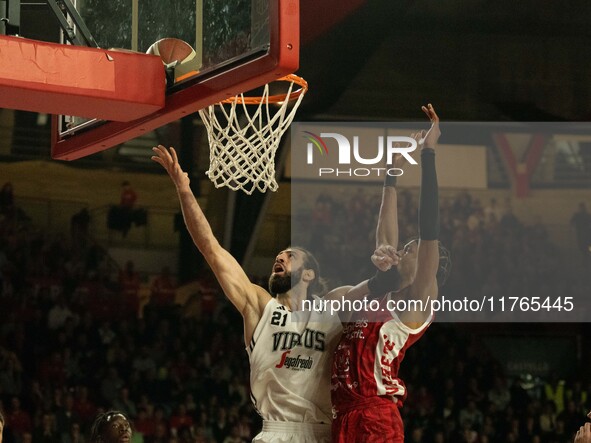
x=243, y=140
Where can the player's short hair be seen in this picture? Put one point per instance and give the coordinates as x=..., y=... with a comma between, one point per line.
x=100, y=424
x=318, y=285
x=1, y=419
x=444, y=268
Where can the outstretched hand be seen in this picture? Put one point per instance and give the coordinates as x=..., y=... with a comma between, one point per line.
x=168, y=159
x=430, y=138
x=384, y=257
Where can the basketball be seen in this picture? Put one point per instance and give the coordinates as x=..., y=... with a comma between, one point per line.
x=172, y=50
x=178, y=55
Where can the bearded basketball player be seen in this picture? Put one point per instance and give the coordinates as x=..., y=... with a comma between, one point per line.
x=290, y=358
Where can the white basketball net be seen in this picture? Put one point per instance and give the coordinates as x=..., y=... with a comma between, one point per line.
x=243, y=139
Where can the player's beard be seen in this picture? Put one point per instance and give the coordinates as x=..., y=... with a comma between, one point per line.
x=280, y=284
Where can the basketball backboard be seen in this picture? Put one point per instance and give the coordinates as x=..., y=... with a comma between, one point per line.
x=240, y=45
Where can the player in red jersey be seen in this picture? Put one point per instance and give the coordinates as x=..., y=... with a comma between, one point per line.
x=366, y=390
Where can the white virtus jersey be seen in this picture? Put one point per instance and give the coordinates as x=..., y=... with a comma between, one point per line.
x=290, y=364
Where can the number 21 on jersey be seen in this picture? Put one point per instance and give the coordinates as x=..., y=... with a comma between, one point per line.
x=279, y=318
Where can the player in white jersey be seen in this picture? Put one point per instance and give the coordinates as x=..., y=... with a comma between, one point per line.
x=290, y=357
x=290, y=361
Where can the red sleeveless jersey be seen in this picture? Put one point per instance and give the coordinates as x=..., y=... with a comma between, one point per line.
x=367, y=359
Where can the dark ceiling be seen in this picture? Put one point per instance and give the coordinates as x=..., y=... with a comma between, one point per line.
x=499, y=60
x=476, y=60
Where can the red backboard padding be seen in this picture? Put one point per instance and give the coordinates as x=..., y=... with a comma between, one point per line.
x=74, y=80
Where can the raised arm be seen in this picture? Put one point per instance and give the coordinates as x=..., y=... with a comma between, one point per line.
x=384, y=258
x=248, y=298
x=424, y=286
x=387, y=229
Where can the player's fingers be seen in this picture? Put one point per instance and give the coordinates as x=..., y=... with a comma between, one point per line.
x=165, y=155
x=390, y=250
x=375, y=258
x=387, y=263
x=430, y=112
x=378, y=258
x=157, y=160
x=383, y=267
x=386, y=251
x=380, y=254
x=583, y=434
x=161, y=152
x=434, y=116
x=158, y=157
x=387, y=254
x=395, y=259
x=175, y=158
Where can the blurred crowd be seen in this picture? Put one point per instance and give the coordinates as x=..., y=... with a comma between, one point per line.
x=72, y=342
x=493, y=252
x=458, y=392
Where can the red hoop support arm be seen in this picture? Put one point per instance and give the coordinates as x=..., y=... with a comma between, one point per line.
x=282, y=59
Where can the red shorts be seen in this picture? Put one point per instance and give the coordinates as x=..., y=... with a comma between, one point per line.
x=378, y=423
